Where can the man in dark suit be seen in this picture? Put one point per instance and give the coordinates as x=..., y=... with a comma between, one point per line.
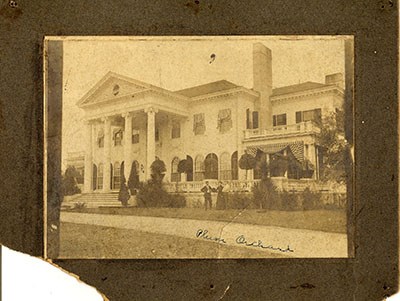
x=207, y=189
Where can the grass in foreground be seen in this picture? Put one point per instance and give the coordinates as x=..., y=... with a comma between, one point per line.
x=87, y=241
x=321, y=220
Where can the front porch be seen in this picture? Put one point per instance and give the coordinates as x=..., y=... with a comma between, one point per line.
x=282, y=184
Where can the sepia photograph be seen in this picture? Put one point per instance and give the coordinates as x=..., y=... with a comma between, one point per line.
x=207, y=147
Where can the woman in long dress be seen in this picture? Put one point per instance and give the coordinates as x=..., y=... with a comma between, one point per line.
x=221, y=202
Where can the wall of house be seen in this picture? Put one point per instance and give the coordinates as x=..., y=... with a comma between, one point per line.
x=327, y=102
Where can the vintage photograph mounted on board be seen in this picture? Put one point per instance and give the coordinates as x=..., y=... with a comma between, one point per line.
x=198, y=147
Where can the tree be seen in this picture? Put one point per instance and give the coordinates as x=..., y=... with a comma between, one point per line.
x=123, y=195
x=133, y=181
x=158, y=170
x=70, y=185
x=247, y=162
x=334, y=147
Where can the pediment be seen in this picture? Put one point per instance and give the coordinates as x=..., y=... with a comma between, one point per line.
x=112, y=86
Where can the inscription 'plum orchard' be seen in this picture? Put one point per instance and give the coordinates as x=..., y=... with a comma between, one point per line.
x=241, y=240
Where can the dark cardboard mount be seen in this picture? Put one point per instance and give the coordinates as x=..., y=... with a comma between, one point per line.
x=371, y=275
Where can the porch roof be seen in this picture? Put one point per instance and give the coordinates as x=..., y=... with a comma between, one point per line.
x=296, y=147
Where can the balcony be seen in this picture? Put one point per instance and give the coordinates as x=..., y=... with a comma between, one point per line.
x=307, y=127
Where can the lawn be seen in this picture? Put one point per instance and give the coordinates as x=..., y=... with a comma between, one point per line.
x=322, y=220
x=87, y=241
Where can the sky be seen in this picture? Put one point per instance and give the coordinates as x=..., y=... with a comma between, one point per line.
x=176, y=63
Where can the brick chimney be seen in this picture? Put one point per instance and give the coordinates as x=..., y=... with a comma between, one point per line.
x=335, y=79
x=262, y=82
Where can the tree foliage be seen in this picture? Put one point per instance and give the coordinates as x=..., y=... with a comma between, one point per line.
x=247, y=161
x=158, y=170
x=334, y=147
x=70, y=185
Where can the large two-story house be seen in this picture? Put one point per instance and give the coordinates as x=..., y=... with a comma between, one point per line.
x=129, y=123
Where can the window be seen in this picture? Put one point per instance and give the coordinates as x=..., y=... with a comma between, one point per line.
x=100, y=138
x=175, y=175
x=199, y=125
x=279, y=119
x=157, y=134
x=235, y=166
x=199, y=168
x=255, y=119
x=248, y=120
x=100, y=176
x=135, y=136
x=117, y=176
x=211, y=166
x=310, y=115
x=225, y=165
x=117, y=137
x=224, y=120
x=176, y=129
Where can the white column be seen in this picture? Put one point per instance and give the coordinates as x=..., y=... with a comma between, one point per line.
x=151, y=139
x=127, y=145
x=107, y=155
x=313, y=158
x=87, y=187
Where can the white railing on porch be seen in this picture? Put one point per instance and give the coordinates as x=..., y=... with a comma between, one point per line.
x=302, y=127
x=281, y=183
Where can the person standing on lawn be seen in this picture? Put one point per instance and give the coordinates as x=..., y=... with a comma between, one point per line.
x=207, y=189
x=221, y=201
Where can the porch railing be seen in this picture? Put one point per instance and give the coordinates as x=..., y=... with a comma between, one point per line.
x=302, y=127
x=281, y=183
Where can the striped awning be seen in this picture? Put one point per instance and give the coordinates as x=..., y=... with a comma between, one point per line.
x=296, y=147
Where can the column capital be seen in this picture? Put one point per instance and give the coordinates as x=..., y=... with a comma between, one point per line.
x=88, y=121
x=127, y=114
x=105, y=118
x=150, y=110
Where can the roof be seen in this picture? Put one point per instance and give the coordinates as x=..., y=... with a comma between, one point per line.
x=297, y=88
x=213, y=87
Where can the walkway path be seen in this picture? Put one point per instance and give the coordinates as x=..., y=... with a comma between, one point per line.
x=304, y=243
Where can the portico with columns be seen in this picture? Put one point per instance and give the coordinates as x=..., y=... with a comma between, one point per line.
x=124, y=130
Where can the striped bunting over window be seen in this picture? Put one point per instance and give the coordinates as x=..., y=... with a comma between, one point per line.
x=297, y=148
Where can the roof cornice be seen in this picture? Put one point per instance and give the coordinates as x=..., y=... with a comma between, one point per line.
x=308, y=93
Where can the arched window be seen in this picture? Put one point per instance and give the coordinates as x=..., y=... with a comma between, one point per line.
x=234, y=166
x=225, y=165
x=211, y=166
x=199, y=168
x=189, y=171
x=100, y=176
x=117, y=176
x=175, y=175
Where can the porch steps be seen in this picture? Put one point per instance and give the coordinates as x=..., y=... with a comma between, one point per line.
x=93, y=200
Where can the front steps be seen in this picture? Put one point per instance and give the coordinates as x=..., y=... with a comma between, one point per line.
x=92, y=200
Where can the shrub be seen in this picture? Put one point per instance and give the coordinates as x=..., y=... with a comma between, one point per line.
x=79, y=205
x=311, y=199
x=69, y=183
x=290, y=201
x=123, y=195
x=152, y=194
x=237, y=200
x=265, y=195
